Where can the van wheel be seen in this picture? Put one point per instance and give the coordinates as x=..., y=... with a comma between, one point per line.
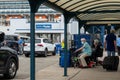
x=45, y=53
x=54, y=52
x=26, y=55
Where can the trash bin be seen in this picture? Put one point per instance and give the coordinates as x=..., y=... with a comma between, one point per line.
x=58, y=48
x=62, y=57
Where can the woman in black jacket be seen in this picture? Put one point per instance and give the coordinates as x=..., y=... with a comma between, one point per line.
x=97, y=50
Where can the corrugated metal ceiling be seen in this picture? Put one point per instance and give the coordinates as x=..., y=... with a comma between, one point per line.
x=91, y=9
x=87, y=9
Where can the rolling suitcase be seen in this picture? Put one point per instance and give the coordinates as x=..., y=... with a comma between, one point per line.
x=110, y=63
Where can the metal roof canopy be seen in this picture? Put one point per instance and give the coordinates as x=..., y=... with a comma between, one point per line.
x=85, y=10
x=88, y=10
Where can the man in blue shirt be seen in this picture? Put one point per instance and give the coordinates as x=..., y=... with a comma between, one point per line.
x=110, y=43
x=118, y=44
x=20, y=43
x=85, y=51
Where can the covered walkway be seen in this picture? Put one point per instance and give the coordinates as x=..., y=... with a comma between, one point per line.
x=99, y=13
x=85, y=11
x=105, y=12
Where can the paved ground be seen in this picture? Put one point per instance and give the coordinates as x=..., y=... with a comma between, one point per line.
x=97, y=73
x=55, y=72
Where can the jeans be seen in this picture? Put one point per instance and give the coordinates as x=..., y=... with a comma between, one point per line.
x=20, y=49
x=111, y=53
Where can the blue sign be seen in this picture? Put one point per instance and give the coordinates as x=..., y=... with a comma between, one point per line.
x=43, y=26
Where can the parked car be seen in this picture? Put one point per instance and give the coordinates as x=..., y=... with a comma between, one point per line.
x=42, y=46
x=9, y=62
x=12, y=44
x=14, y=37
x=12, y=41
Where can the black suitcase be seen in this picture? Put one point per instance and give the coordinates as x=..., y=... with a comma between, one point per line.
x=110, y=63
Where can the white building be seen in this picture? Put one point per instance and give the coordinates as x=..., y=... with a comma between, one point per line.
x=49, y=23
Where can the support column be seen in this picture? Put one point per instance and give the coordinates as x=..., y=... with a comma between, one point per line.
x=102, y=34
x=67, y=18
x=34, y=5
x=32, y=47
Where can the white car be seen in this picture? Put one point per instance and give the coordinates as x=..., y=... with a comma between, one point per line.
x=42, y=46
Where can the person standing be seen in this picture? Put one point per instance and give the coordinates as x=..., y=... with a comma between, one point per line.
x=20, y=43
x=110, y=43
x=85, y=51
x=118, y=44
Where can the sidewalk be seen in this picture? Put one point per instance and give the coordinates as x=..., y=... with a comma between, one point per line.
x=97, y=73
x=55, y=72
